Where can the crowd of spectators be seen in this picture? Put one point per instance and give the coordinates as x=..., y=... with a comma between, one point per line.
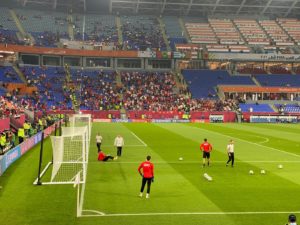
x=10, y=107
x=97, y=90
x=9, y=37
x=142, y=36
x=158, y=92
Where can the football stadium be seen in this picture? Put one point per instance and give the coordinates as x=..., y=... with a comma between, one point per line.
x=149, y=112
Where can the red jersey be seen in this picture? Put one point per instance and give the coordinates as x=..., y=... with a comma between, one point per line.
x=148, y=169
x=101, y=156
x=205, y=146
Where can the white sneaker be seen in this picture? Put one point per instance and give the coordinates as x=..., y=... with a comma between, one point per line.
x=141, y=195
x=147, y=196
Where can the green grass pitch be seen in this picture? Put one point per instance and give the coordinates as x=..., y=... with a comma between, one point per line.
x=180, y=194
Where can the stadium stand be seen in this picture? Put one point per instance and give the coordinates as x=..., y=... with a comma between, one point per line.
x=252, y=32
x=278, y=80
x=8, y=29
x=292, y=27
x=173, y=31
x=288, y=108
x=9, y=75
x=255, y=108
x=98, y=28
x=141, y=33
x=202, y=83
x=46, y=27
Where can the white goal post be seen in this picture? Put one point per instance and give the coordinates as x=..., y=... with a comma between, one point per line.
x=69, y=152
x=81, y=120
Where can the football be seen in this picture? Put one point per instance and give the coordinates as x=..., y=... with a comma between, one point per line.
x=180, y=158
x=280, y=166
x=251, y=172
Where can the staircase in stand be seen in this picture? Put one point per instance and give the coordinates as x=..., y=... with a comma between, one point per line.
x=119, y=29
x=20, y=74
x=22, y=33
x=163, y=32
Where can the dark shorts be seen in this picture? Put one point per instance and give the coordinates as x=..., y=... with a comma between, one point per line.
x=206, y=154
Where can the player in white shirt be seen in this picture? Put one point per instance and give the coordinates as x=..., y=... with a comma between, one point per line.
x=98, y=141
x=230, y=152
x=119, y=143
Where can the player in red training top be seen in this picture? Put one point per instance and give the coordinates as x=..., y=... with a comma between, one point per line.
x=103, y=157
x=206, y=148
x=147, y=174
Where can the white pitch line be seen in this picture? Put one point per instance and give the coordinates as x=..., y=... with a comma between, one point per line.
x=260, y=142
x=139, y=139
x=265, y=141
x=186, y=213
x=254, y=143
x=126, y=146
x=200, y=162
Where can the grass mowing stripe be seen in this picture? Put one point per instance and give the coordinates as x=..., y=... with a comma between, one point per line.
x=249, y=142
x=276, y=133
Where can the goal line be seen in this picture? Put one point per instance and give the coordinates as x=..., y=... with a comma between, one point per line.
x=95, y=213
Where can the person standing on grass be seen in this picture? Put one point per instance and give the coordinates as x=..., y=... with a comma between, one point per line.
x=147, y=174
x=230, y=152
x=119, y=143
x=206, y=148
x=98, y=141
x=104, y=158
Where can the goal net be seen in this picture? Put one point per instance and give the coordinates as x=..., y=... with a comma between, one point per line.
x=70, y=155
x=82, y=120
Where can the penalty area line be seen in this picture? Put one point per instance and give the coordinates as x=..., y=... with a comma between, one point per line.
x=98, y=214
x=139, y=139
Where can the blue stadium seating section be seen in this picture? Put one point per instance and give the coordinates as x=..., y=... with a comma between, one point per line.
x=51, y=81
x=256, y=107
x=142, y=32
x=202, y=82
x=100, y=28
x=49, y=85
x=6, y=20
x=9, y=75
x=45, y=27
x=275, y=80
x=8, y=28
x=2, y=91
x=173, y=31
x=290, y=108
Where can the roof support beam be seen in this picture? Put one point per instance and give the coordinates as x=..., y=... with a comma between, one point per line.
x=163, y=7
x=189, y=7
x=110, y=6
x=24, y=2
x=241, y=6
x=137, y=6
x=215, y=6
x=290, y=9
x=266, y=7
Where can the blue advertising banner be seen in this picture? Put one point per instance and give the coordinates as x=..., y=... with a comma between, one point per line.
x=11, y=156
x=15, y=153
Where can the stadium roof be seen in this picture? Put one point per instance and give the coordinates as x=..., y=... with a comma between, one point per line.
x=201, y=8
